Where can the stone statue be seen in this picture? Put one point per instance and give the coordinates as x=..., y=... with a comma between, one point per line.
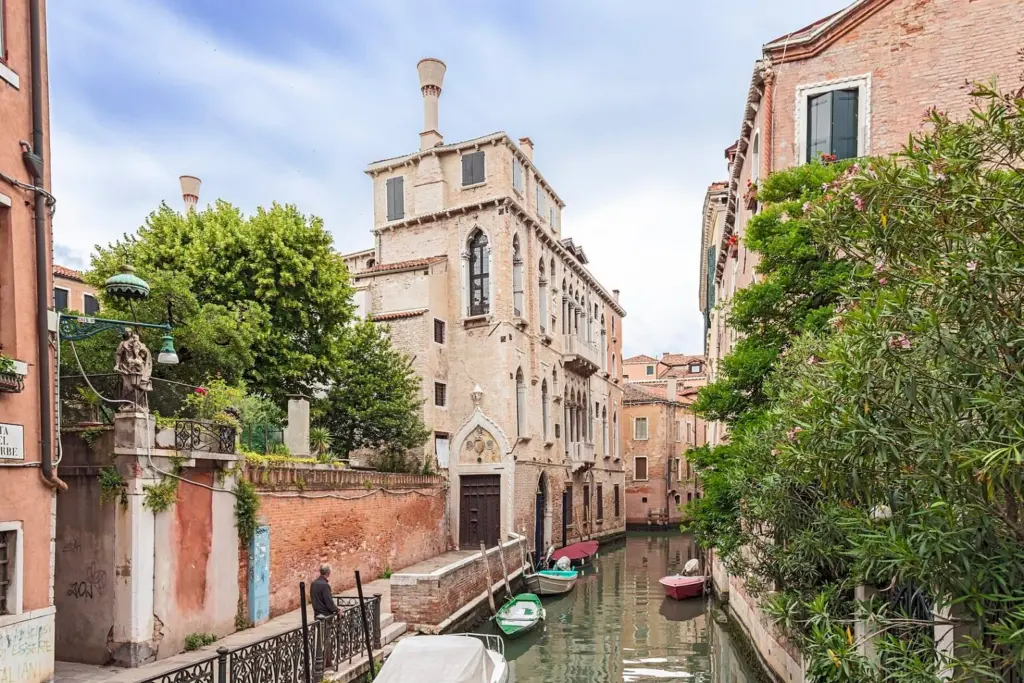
x=134, y=363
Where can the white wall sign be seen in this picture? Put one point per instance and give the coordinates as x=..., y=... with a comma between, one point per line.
x=12, y=442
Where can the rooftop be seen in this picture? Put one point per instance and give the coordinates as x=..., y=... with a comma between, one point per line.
x=68, y=273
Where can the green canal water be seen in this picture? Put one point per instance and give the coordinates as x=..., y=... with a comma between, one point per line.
x=616, y=625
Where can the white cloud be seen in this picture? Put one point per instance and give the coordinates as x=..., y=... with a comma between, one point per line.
x=630, y=106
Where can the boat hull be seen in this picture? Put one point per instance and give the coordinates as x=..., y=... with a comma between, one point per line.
x=520, y=615
x=551, y=582
x=683, y=588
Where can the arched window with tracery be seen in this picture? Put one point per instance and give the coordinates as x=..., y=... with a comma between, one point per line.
x=604, y=431
x=545, y=407
x=479, y=274
x=542, y=297
x=518, y=300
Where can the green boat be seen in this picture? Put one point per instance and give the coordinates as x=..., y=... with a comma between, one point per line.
x=520, y=615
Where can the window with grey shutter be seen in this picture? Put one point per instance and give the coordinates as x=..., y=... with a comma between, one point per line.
x=396, y=198
x=472, y=168
x=832, y=124
x=90, y=305
x=517, y=176
x=60, y=299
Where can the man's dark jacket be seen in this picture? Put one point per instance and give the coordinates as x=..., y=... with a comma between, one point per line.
x=320, y=596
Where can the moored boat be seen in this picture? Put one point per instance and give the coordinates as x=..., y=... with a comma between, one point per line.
x=682, y=587
x=520, y=615
x=579, y=554
x=464, y=658
x=551, y=582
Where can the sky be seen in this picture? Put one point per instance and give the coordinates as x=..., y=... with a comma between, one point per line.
x=630, y=106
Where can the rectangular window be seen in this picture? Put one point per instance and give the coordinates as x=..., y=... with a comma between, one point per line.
x=517, y=175
x=600, y=502
x=439, y=394
x=689, y=433
x=9, y=570
x=438, y=331
x=396, y=198
x=679, y=469
x=91, y=306
x=568, y=508
x=694, y=368
x=586, y=503
x=472, y=168
x=540, y=200
x=832, y=124
x=551, y=217
x=640, y=468
x=640, y=429
x=60, y=299
x=618, y=508
x=679, y=431
x=441, y=444
x=650, y=369
x=689, y=472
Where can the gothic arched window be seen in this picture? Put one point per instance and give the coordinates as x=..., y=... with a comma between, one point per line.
x=479, y=275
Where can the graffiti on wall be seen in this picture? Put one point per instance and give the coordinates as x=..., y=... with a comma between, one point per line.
x=26, y=651
x=93, y=583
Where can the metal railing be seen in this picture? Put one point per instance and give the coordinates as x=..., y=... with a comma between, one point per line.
x=262, y=438
x=279, y=659
x=201, y=435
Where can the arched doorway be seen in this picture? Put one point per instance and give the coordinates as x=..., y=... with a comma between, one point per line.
x=540, y=512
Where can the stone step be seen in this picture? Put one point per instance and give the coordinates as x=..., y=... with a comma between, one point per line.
x=386, y=620
x=392, y=632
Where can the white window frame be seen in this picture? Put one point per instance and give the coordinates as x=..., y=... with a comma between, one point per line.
x=862, y=84
x=679, y=431
x=15, y=595
x=679, y=469
x=647, y=471
x=647, y=429
x=755, y=156
x=518, y=173
x=442, y=461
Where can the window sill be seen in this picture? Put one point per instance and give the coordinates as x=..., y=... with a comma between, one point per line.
x=520, y=322
x=549, y=444
x=606, y=374
x=397, y=218
x=473, y=186
x=523, y=439
x=545, y=338
x=8, y=75
x=477, y=320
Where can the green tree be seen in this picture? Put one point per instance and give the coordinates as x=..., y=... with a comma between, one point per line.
x=262, y=298
x=375, y=399
x=888, y=449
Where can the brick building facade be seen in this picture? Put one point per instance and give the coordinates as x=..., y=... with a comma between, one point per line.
x=71, y=293
x=660, y=427
x=514, y=340
x=27, y=499
x=855, y=83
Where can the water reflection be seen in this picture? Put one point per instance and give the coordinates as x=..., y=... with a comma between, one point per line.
x=618, y=626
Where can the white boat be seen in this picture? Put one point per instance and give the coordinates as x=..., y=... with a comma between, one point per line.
x=551, y=581
x=462, y=658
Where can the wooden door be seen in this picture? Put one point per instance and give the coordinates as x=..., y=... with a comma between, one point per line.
x=479, y=510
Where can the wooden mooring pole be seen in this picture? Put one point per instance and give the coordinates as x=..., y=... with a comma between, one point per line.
x=487, y=568
x=504, y=571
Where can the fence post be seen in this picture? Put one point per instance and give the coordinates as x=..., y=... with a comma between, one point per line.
x=222, y=664
x=376, y=620
x=318, y=644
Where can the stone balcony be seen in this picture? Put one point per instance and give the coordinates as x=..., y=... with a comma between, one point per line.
x=581, y=357
x=582, y=455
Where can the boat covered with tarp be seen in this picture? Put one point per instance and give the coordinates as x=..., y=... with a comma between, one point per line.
x=468, y=658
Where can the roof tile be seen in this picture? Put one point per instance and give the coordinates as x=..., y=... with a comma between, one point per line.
x=402, y=265
x=68, y=273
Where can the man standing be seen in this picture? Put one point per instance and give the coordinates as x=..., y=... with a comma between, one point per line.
x=323, y=606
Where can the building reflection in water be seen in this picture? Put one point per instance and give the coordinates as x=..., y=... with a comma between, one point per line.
x=618, y=626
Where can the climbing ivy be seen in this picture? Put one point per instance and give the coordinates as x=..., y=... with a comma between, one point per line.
x=247, y=507
x=112, y=486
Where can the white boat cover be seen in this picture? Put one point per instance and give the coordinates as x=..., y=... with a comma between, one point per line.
x=437, y=659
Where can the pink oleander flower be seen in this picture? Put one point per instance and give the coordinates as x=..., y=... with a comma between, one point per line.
x=858, y=202
x=807, y=207
x=883, y=281
x=202, y=391
x=784, y=218
x=814, y=360
x=879, y=265
x=900, y=341
x=793, y=432
x=972, y=266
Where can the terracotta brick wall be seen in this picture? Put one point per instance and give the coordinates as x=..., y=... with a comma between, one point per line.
x=368, y=521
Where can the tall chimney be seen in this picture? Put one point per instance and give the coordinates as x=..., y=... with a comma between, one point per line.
x=615, y=293
x=526, y=144
x=190, y=191
x=670, y=389
x=431, y=78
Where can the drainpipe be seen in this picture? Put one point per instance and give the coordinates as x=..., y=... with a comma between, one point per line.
x=35, y=162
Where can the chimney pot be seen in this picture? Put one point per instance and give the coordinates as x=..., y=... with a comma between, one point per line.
x=431, y=72
x=190, y=191
x=670, y=389
x=526, y=144
x=615, y=293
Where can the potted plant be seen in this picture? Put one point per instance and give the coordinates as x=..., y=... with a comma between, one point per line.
x=750, y=195
x=733, y=242
x=11, y=381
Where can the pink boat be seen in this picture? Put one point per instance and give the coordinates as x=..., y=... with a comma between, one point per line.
x=578, y=553
x=682, y=587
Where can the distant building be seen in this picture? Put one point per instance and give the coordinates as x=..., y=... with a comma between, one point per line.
x=514, y=339
x=27, y=435
x=855, y=83
x=690, y=371
x=660, y=428
x=71, y=293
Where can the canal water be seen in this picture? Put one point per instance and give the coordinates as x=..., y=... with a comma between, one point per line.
x=616, y=625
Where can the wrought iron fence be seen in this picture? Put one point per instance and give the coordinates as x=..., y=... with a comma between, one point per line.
x=80, y=404
x=279, y=659
x=200, y=435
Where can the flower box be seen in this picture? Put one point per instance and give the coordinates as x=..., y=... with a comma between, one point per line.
x=11, y=382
